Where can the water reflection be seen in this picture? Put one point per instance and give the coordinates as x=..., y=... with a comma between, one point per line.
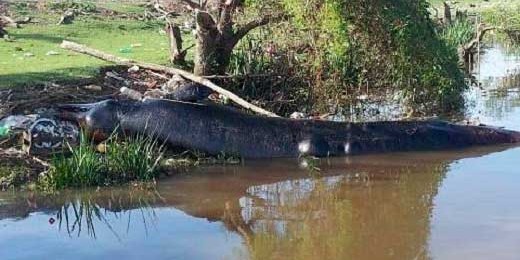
x=370, y=207
x=497, y=101
x=85, y=210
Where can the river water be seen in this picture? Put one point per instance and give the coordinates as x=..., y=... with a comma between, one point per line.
x=442, y=205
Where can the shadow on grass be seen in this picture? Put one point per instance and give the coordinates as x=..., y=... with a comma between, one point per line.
x=39, y=37
x=67, y=75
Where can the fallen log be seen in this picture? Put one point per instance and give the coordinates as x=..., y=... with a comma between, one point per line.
x=128, y=62
x=8, y=22
x=216, y=129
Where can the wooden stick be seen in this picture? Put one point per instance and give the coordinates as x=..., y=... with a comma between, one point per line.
x=128, y=62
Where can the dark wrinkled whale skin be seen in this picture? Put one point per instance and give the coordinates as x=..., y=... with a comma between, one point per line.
x=215, y=129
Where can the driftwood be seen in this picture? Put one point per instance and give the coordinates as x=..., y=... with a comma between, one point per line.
x=7, y=21
x=128, y=62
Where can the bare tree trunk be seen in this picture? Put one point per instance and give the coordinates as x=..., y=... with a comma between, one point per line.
x=447, y=13
x=217, y=35
x=2, y=31
x=177, y=55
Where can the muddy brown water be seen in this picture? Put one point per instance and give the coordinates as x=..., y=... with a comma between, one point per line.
x=429, y=205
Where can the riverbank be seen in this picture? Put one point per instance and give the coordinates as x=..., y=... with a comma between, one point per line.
x=27, y=46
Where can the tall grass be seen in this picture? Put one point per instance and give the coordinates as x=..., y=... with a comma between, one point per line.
x=82, y=168
x=125, y=160
x=458, y=33
x=136, y=158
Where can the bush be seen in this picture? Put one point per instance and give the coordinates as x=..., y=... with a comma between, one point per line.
x=339, y=50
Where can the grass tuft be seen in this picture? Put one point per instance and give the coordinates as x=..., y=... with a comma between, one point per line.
x=130, y=159
x=136, y=158
x=458, y=33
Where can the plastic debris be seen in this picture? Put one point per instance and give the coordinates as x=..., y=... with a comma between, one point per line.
x=4, y=131
x=17, y=122
x=93, y=87
x=126, y=50
x=52, y=53
x=133, y=69
x=47, y=135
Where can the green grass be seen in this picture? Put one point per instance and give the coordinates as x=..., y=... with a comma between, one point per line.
x=459, y=33
x=467, y=3
x=122, y=7
x=12, y=176
x=136, y=158
x=505, y=16
x=125, y=160
x=110, y=35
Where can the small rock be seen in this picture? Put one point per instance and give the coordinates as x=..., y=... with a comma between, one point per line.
x=298, y=115
x=175, y=82
x=101, y=148
x=93, y=87
x=155, y=93
x=131, y=94
x=28, y=54
x=52, y=53
x=362, y=97
x=136, y=45
x=133, y=69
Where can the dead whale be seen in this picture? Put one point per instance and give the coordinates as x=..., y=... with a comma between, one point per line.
x=216, y=129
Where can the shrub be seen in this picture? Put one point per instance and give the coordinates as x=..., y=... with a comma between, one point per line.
x=338, y=50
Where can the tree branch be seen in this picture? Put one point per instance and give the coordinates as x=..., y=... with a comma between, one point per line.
x=225, y=23
x=8, y=22
x=480, y=35
x=190, y=76
x=191, y=5
x=204, y=21
x=246, y=28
